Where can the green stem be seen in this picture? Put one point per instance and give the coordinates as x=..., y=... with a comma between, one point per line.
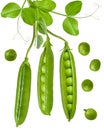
x=32, y=41
x=57, y=36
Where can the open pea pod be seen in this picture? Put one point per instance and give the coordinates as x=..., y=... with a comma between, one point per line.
x=68, y=82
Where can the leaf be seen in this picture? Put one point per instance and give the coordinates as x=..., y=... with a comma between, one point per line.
x=39, y=41
x=47, y=17
x=70, y=25
x=45, y=5
x=28, y=15
x=73, y=8
x=11, y=10
x=42, y=26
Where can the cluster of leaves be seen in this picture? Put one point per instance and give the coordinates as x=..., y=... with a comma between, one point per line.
x=39, y=11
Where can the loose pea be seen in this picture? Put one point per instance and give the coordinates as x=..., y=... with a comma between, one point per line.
x=90, y=113
x=69, y=90
x=84, y=48
x=70, y=98
x=67, y=64
x=69, y=81
x=95, y=65
x=10, y=54
x=87, y=85
x=68, y=72
x=66, y=56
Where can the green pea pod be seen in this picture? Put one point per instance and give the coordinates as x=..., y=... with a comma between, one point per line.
x=45, y=79
x=22, y=92
x=68, y=82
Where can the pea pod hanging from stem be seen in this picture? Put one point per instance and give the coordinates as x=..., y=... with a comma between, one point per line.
x=45, y=79
x=22, y=92
x=68, y=82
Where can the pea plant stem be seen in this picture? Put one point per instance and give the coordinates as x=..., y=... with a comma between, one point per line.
x=32, y=41
x=56, y=36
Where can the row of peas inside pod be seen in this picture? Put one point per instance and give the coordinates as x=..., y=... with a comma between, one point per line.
x=87, y=84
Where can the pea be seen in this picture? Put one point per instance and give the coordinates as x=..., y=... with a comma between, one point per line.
x=43, y=69
x=43, y=87
x=87, y=85
x=66, y=56
x=95, y=65
x=67, y=64
x=10, y=54
x=43, y=97
x=44, y=59
x=84, y=48
x=90, y=113
x=43, y=78
x=69, y=106
x=69, y=90
x=68, y=72
x=69, y=81
x=70, y=98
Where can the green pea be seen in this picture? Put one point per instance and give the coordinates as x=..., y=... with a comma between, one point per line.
x=69, y=89
x=43, y=78
x=43, y=69
x=68, y=72
x=95, y=65
x=66, y=56
x=69, y=106
x=43, y=97
x=90, y=113
x=10, y=54
x=44, y=59
x=84, y=48
x=67, y=64
x=87, y=85
x=70, y=98
x=43, y=87
x=69, y=81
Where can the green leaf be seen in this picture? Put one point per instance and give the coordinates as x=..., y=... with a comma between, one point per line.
x=45, y=5
x=47, y=17
x=73, y=8
x=28, y=15
x=70, y=25
x=39, y=41
x=42, y=26
x=11, y=10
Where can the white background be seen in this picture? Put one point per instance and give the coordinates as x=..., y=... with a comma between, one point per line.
x=91, y=31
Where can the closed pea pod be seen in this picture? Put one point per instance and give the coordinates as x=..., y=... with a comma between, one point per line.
x=45, y=79
x=68, y=82
x=22, y=92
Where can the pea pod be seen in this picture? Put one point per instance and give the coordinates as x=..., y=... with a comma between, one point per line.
x=45, y=79
x=22, y=92
x=68, y=82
